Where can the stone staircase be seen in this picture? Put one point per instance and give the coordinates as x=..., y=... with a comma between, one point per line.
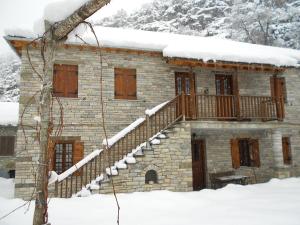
x=146, y=155
x=162, y=156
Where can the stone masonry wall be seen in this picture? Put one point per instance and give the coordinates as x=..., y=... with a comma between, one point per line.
x=218, y=153
x=171, y=159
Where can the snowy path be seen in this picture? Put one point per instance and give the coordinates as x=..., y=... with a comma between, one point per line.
x=273, y=203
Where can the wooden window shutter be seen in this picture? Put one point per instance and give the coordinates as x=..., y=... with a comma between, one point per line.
x=235, y=84
x=235, y=153
x=254, y=153
x=125, y=83
x=78, y=154
x=72, y=82
x=7, y=145
x=119, y=84
x=131, y=86
x=286, y=151
x=65, y=80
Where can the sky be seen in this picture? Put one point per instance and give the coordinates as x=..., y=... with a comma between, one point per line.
x=21, y=14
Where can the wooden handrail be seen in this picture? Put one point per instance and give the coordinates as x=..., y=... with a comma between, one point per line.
x=236, y=107
x=162, y=119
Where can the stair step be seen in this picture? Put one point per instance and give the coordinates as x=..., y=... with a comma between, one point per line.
x=162, y=136
x=155, y=141
x=139, y=153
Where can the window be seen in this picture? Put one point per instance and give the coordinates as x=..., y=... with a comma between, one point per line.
x=7, y=145
x=245, y=152
x=66, y=154
x=286, y=151
x=125, y=83
x=151, y=177
x=65, y=81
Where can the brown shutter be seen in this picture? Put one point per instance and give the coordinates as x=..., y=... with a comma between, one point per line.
x=78, y=152
x=65, y=80
x=7, y=145
x=119, y=84
x=131, y=86
x=235, y=154
x=254, y=153
x=286, y=151
x=235, y=85
x=58, y=81
x=282, y=85
x=72, y=85
x=125, y=83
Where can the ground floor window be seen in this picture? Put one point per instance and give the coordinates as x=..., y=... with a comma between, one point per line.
x=286, y=151
x=245, y=152
x=63, y=156
x=7, y=145
x=66, y=153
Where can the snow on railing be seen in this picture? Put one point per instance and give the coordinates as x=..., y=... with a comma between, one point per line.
x=150, y=112
x=54, y=177
x=123, y=132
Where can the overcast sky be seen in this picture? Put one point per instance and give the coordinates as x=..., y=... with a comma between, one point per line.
x=22, y=14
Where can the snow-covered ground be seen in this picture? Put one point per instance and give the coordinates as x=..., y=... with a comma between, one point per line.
x=274, y=203
x=9, y=112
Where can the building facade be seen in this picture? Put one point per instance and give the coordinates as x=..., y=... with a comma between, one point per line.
x=237, y=116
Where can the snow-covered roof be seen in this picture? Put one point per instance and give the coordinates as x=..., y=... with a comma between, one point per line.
x=184, y=46
x=9, y=113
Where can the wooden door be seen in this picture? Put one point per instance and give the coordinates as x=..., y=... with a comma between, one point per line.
x=224, y=99
x=185, y=83
x=278, y=92
x=198, y=164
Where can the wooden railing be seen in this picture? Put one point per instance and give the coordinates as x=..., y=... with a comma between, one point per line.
x=162, y=119
x=234, y=107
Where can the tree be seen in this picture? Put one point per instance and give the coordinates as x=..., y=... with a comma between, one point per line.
x=53, y=34
x=264, y=21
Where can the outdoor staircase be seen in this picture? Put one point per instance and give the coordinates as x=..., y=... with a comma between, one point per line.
x=93, y=173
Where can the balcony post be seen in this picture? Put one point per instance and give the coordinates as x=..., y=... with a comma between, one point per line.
x=237, y=106
x=183, y=106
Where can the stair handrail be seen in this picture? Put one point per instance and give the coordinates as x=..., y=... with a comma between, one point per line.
x=94, y=165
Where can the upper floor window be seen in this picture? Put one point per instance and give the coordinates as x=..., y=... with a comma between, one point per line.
x=125, y=83
x=7, y=145
x=65, y=80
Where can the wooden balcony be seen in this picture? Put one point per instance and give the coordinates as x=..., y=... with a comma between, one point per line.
x=231, y=107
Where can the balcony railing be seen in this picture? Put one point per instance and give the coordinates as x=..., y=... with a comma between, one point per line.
x=231, y=107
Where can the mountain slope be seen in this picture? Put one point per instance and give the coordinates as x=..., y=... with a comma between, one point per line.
x=242, y=20
x=9, y=78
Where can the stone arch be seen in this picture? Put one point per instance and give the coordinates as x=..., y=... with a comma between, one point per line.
x=152, y=174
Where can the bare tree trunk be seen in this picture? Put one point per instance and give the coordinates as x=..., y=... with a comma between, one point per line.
x=56, y=33
x=64, y=27
x=40, y=213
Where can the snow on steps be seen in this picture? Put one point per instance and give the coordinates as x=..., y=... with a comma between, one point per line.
x=104, y=180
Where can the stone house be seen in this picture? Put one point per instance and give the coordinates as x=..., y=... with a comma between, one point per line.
x=229, y=106
x=8, y=132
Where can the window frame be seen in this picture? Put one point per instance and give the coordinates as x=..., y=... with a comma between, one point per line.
x=252, y=153
x=287, y=153
x=8, y=152
x=57, y=67
x=122, y=84
x=63, y=166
